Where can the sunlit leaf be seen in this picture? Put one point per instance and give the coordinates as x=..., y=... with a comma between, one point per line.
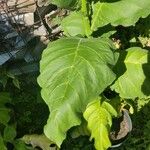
x=133, y=69
x=73, y=71
x=76, y=24
x=99, y=121
x=121, y=12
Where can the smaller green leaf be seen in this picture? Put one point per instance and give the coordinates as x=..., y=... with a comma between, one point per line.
x=16, y=83
x=99, y=121
x=141, y=103
x=133, y=71
x=14, y=79
x=76, y=24
x=40, y=141
x=3, y=81
x=4, y=116
x=2, y=146
x=109, y=108
x=4, y=112
x=10, y=75
x=20, y=145
x=4, y=98
x=9, y=133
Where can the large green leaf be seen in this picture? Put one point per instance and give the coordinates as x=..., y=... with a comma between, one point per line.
x=133, y=69
x=99, y=121
x=64, y=3
x=122, y=12
x=76, y=24
x=73, y=72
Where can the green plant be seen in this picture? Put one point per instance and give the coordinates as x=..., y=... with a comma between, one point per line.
x=76, y=69
x=6, y=76
x=7, y=127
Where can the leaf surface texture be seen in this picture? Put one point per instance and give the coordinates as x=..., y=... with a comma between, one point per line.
x=134, y=78
x=99, y=120
x=122, y=12
x=73, y=72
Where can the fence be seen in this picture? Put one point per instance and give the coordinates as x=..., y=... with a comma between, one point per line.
x=25, y=30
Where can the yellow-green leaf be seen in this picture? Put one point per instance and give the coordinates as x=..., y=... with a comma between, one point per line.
x=99, y=122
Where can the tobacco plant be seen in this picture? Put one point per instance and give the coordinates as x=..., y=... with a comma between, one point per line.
x=76, y=69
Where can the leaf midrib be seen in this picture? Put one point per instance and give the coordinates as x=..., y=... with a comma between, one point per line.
x=95, y=19
x=72, y=66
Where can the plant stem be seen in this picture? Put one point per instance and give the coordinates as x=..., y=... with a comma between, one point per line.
x=84, y=8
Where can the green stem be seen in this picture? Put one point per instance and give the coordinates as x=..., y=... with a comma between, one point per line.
x=84, y=8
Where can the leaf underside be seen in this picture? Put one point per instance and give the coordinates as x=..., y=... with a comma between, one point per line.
x=73, y=72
